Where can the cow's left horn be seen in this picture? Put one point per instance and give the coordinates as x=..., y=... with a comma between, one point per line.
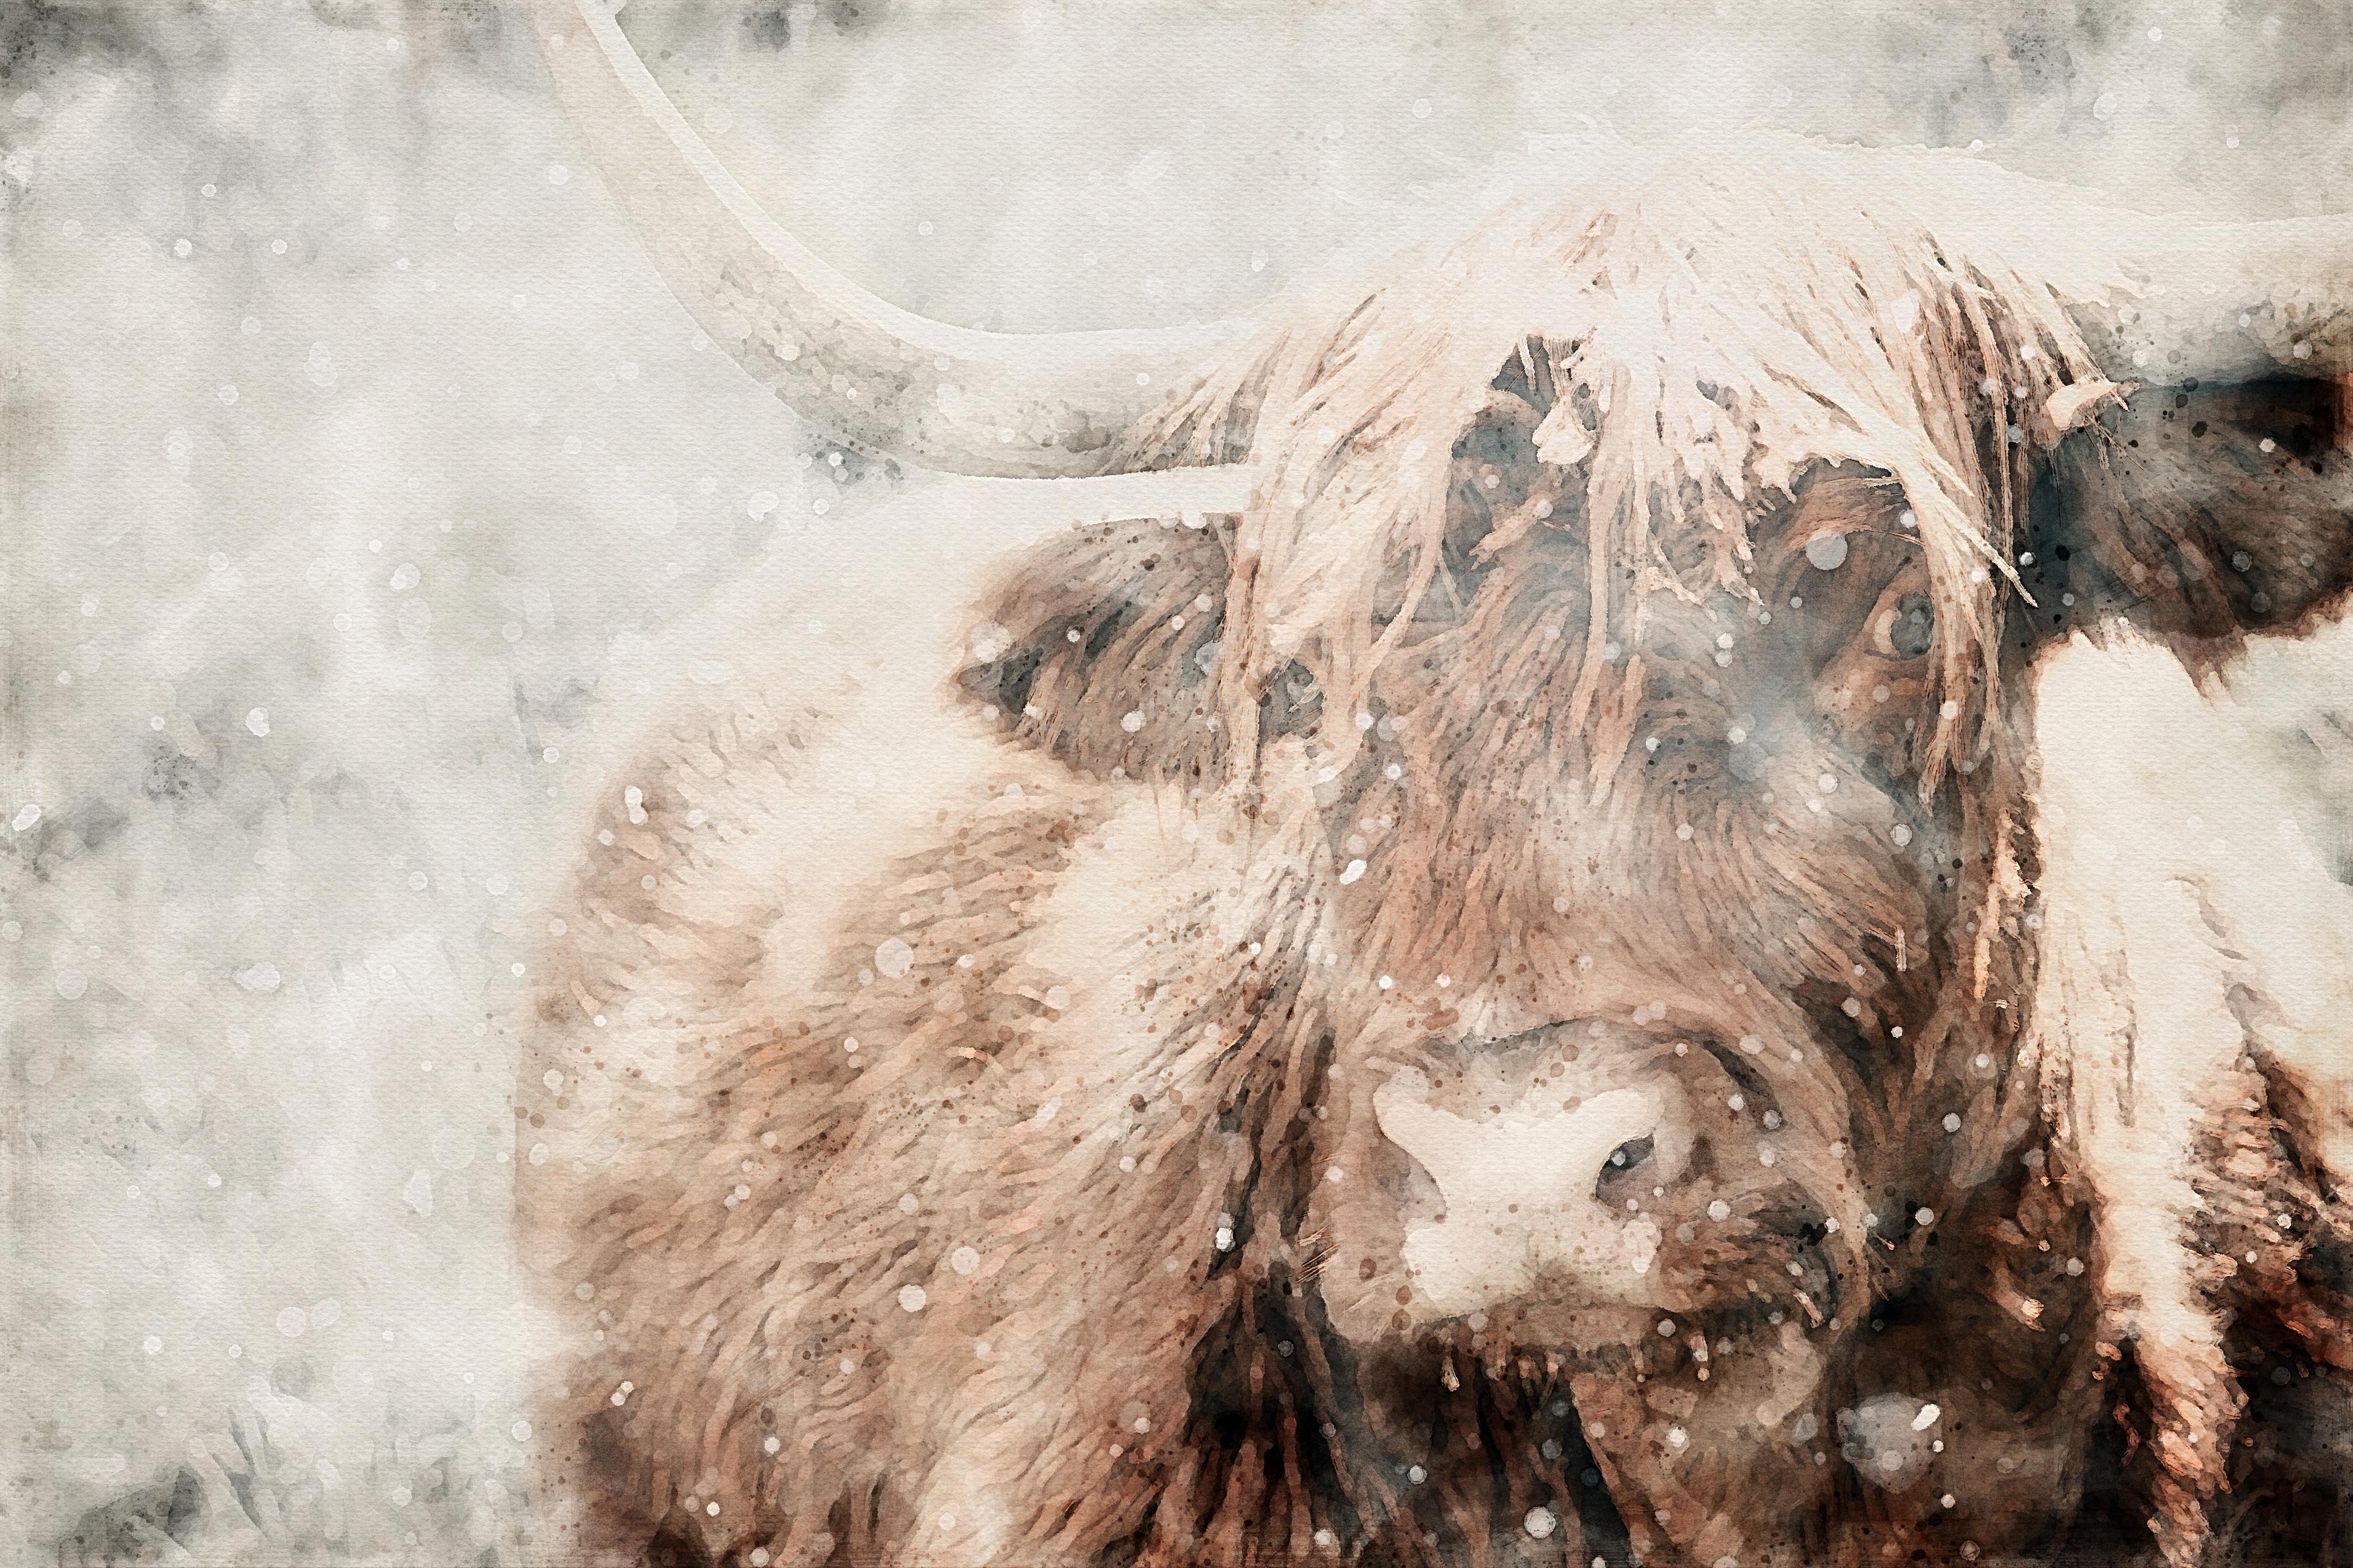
x=2159, y=299
x=2225, y=302
x=1033, y=405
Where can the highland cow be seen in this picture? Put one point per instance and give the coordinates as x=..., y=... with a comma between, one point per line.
x=1540, y=989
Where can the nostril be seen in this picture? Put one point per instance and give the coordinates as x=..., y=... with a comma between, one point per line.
x=1626, y=1157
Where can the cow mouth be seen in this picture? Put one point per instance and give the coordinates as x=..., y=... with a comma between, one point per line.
x=1582, y=1427
x=1734, y=1290
x=1748, y=1305
x=1784, y=1268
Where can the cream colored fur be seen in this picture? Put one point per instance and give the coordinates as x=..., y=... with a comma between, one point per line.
x=2189, y=928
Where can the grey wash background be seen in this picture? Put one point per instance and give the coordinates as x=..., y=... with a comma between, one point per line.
x=358, y=467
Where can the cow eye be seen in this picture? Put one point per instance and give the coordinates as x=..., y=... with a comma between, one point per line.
x=1625, y=1157
x=1904, y=630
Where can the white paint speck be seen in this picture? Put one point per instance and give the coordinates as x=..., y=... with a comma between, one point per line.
x=990, y=641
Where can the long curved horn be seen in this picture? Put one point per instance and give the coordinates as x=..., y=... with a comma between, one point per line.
x=2225, y=302
x=1035, y=405
x=2160, y=300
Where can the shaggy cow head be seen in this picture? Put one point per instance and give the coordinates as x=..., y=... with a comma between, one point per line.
x=1639, y=602
x=1628, y=645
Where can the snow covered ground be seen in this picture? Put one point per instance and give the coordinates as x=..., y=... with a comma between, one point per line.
x=361, y=474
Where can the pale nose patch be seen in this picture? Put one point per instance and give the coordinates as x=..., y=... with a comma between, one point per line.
x=1545, y=1162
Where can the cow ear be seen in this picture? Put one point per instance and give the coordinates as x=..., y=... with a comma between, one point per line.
x=2197, y=513
x=1101, y=647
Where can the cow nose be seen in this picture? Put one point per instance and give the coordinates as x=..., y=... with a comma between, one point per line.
x=1522, y=1192
x=1529, y=1155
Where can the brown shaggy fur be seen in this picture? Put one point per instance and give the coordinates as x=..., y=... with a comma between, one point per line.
x=1514, y=492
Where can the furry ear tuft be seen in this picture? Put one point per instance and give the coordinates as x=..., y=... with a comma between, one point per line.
x=1102, y=647
x=2200, y=512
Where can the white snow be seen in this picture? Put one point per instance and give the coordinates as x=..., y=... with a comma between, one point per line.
x=349, y=615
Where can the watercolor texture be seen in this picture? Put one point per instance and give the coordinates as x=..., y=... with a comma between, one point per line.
x=1083, y=783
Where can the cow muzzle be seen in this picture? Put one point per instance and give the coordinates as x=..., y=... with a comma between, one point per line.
x=1536, y=1175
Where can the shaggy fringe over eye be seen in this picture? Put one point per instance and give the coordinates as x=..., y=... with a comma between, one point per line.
x=1712, y=337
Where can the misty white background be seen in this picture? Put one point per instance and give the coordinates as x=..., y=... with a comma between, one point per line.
x=358, y=465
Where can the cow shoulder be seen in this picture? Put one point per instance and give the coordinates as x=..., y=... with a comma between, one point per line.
x=754, y=798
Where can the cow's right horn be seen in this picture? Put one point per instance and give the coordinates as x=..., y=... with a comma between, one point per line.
x=2223, y=302
x=1034, y=405
x=2158, y=301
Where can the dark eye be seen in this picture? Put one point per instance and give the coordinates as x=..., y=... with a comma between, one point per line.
x=1905, y=629
x=1625, y=1157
